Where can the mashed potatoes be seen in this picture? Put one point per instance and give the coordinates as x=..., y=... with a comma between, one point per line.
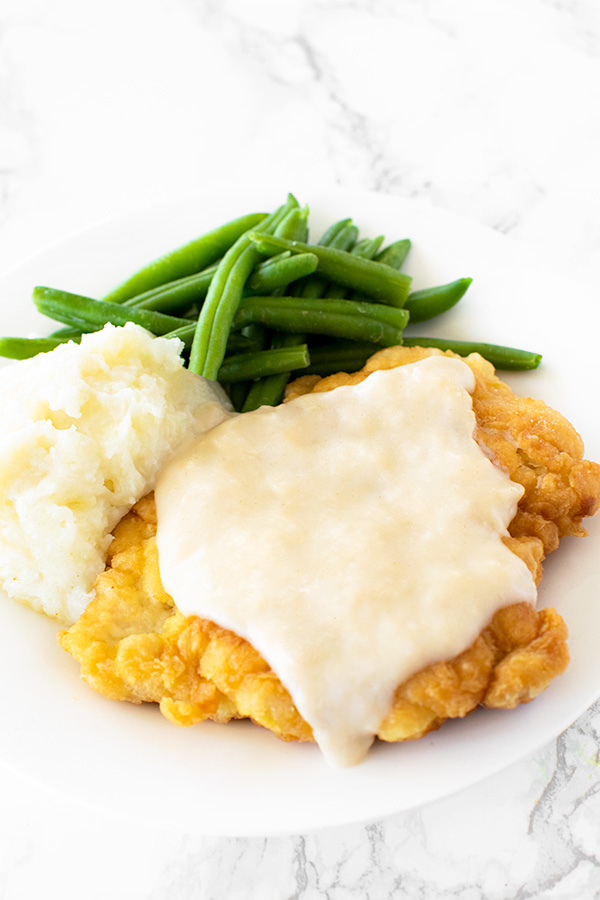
x=85, y=430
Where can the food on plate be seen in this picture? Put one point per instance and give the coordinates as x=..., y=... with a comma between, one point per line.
x=342, y=287
x=368, y=556
x=85, y=431
x=194, y=256
x=134, y=644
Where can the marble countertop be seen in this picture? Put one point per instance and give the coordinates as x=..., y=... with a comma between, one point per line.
x=487, y=110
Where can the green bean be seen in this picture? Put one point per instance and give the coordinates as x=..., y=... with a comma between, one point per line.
x=345, y=239
x=341, y=236
x=238, y=391
x=175, y=295
x=366, y=249
x=179, y=295
x=242, y=343
x=73, y=309
x=380, y=282
x=394, y=254
x=257, y=334
x=430, y=302
x=331, y=233
x=337, y=318
x=230, y=301
x=269, y=266
x=224, y=294
x=293, y=223
x=271, y=262
x=302, y=230
x=248, y=366
x=237, y=342
x=277, y=272
x=25, y=348
x=184, y=333
x=66, y=333
x=344, y=356
x=269, y=391
x=391, y=315
x=186, y=260
x=501, y=357
x=360, y=246
x=76, y=325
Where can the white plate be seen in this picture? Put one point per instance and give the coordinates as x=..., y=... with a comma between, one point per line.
x=238, y=779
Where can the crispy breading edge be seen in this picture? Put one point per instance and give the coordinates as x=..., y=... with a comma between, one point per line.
x=133, y=644
x=196, y=670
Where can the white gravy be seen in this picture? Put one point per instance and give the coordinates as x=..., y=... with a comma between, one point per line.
x=353, y=537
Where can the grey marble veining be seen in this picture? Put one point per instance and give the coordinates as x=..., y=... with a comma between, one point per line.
x=490, y=110
x=528, y=832
x=538, y=839
x=358, y=64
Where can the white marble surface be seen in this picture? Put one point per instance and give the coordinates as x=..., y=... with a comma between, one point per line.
x=488, y=109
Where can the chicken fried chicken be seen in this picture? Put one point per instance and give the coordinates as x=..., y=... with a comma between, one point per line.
x=133, y=644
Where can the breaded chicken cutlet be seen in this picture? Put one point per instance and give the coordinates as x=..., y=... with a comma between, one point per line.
x=133, y=644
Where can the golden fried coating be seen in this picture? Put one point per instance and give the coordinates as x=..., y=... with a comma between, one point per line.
x=133, y=644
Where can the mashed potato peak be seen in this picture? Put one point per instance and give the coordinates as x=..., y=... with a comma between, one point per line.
x=85, y=431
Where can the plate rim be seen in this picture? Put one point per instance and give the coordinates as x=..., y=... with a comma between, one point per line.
x=412, y=203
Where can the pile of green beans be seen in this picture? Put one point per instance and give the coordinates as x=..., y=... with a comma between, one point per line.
x=254, y=303
x=269, y=391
